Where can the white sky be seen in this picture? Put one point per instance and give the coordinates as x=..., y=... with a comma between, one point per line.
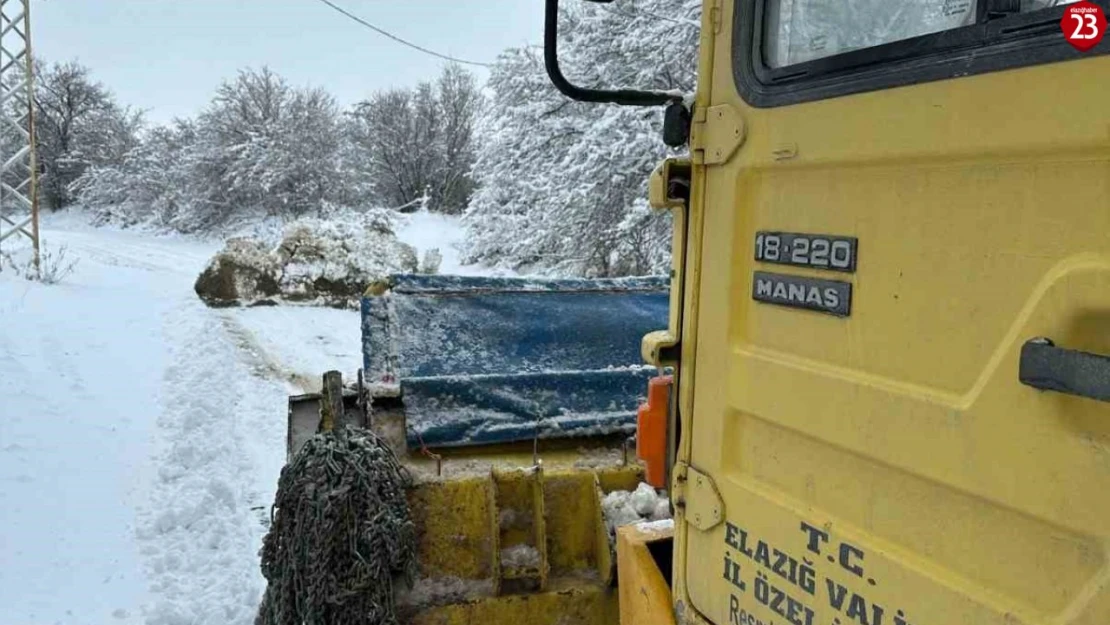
x=167, y=56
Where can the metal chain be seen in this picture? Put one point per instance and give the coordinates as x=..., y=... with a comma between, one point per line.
x=340, y=535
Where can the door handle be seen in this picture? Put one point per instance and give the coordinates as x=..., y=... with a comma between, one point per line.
x=1050, y=368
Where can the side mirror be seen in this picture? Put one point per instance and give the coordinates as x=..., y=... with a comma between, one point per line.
x=626, y=97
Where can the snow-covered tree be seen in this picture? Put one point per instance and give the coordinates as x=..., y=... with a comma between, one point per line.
x=562, y=185
x=460, y=102
x=262, y=148
x=78, y=124
x=408, y=145
x=153, y=183
x=268, y=148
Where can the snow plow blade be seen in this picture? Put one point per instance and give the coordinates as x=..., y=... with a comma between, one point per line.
x=516, y=533
x=477, y=360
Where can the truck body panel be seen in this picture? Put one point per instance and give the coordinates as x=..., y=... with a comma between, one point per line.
x=883, y=462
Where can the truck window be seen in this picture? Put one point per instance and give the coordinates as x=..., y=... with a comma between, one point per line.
x=790, y=51
x=796, y=31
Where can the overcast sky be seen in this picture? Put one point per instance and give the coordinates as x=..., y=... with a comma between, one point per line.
x=169, y=55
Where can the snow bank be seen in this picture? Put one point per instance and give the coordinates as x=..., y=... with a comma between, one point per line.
x=317, y=260
x=144, y=499
x=218, y=455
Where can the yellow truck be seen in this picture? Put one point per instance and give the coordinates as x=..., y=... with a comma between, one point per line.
x=880, y=397
x=891, y=319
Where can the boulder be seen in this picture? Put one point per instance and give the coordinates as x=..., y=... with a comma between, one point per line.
x=316, y=261
x=243, y=273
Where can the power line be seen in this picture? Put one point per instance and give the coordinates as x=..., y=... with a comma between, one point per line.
x=398, y=39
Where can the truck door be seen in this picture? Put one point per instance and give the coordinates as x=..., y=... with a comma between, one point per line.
x=893, y=385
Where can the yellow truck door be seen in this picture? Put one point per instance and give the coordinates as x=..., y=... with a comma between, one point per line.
x=893, y=384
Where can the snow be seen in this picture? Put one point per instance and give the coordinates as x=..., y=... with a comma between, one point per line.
x=302, y=352
x=656, y=526
x=643, y=499
x=142, y=433
x=220, y=444
x=325, y=261
x=520, y=556
x=81, y=364
x=339, y=251
x=644, y=504
x=81, y=370
x=425, y=231
x=329, y=260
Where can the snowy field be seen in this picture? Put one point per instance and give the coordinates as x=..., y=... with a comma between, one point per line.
x=141, y=433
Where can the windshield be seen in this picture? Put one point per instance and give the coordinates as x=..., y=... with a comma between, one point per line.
x=803, y=30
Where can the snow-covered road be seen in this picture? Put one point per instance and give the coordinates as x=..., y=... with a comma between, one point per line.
x=141, y=435
x=83, y=385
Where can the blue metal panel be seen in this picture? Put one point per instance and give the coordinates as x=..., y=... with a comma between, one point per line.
x=466, y=410
x=481, y=360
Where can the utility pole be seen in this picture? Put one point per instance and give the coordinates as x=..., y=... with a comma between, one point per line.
x=19, y=198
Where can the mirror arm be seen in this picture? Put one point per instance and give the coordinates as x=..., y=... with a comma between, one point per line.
x=625, y=97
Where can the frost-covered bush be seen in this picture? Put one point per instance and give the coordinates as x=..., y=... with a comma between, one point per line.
x=55, y=264
x=267, y=146
x=315, y=261
x=415, y=147
x=152, y=184
x=563, y=184
x=262, y=148
x=266, y=151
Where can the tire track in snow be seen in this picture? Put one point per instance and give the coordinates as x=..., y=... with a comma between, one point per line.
x=220, y=449
x=262, y=362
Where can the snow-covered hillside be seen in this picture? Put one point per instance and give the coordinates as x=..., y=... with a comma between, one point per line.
x=142, y=433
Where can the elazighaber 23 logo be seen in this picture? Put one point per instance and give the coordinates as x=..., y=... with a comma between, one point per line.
x=1084, y=24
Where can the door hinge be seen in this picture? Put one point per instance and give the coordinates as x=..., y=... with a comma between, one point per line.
x=697, y=494
x=715, y=134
